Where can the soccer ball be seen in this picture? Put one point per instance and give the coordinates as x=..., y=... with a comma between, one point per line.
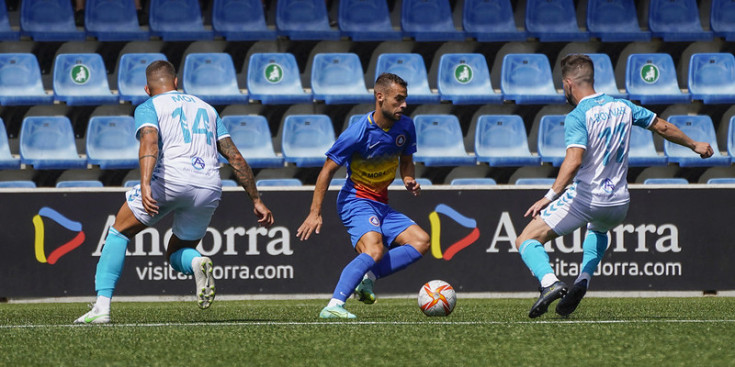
x=437, y=298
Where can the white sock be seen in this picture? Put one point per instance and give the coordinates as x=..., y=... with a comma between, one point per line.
x=548, y=280
x=370, y=275
x=335, y=302
x=102, y=304
x=584, y=276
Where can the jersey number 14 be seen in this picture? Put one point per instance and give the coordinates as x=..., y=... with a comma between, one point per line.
x=200, y=126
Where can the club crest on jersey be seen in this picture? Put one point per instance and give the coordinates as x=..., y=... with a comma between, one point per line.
x=374, y=221
x=608, y=186
x=400, y=140
x=197, y=163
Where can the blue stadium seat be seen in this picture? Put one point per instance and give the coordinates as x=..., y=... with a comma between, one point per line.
x=6, y=33
x=229, y=183
x=526, y=79
x=553, y=21
x=545, y=181
x=605, y=76
x=490, y=21
x=722, y=19
x=429, y=20
x=501, y=141
x=642, y=152
x=111, y=142
x=49, y=20
x=47, y=142
x=7, y=161
x=304, y=20
x=472, y=181
x=113, y=20
x=273, y=78
x=721, y=181
x=337, y=182
x=412, y=69
x=731, y=139
x=212, y=77
x=354, y=119
x=20, y=184
x=353, y=24
x=278, y=182
x=465, y=79
x=79, y=183
x=20, y=81
x=131, y=76
x=666, y=181
x=177, y=20
x=81, y=79
x=551, y=146
x=676, y=21
x=131, y=183
x=422, y=181
x=651, y=79
x=712, y=77
x=337, y=78
x=439, y=141
x=614, y=21
x=699, y=128
x=241, y=20
x=252, y=137
x=306, y=139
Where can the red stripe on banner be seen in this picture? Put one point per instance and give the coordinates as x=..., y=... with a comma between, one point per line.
x=459, y=245
x=65, y=248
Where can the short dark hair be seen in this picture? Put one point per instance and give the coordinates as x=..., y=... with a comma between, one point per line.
x=161, y=66
x=386, y=79
x=578, y=67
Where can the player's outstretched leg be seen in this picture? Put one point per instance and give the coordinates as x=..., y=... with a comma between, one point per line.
x=348, y=280
x=537, y=260
x=364, y=291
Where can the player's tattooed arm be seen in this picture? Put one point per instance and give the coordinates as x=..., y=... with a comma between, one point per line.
x=243, y=173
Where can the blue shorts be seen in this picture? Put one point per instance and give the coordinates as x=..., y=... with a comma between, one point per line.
x=361, y=216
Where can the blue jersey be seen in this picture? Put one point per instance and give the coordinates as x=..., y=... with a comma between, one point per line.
x=601, y=125
x=371, y=155
x=188, y=131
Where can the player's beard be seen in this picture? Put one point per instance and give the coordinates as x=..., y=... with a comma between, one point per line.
x=568, y=96
x=388, y=114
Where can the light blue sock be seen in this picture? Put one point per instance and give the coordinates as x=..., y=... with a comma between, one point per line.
x=351, y=276
x=594, y=247
x=536, y=258
x=111, y=262
x=396, y=259
x=181, y=260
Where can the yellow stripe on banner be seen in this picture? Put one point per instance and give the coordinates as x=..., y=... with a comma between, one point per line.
x=38, y=224
x=436, y=230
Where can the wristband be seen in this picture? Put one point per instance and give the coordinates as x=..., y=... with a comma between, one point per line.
x=551, y=195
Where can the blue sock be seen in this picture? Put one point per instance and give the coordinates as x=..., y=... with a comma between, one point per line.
x=536, y=258
x=396, y=259
x=352, y=275
x=594, y=247
x=181, y=260
x=111, y=262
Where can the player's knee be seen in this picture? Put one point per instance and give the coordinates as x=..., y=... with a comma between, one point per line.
x=519, y=241
x=421, y=242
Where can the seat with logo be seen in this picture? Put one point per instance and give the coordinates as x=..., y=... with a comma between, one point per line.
x=20, y=81
x=212, y=77
x=490, y=21
x=81, y=79
x=273, y=78
x=465, y=79
x=131, y=76
x=111, y=142
x=553, y=21
x=177, y=20
x=252, y=137
x=304, y=20
x=429, y=20
x=241, y=20
x=699, y=128
x=337, y=78
x=551, y=145
x=712, y=77
x=676, y=21
x=47, y=142
x=353, y=24
x=439, y=141
x=651, y=79
x=113, y=21
x=501, y=141
x=614, y=21
x=306, y=138
x=411, y=68
x=526, y=79
x=49, y=20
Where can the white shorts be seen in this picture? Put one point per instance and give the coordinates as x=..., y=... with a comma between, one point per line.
x=192, y=206
x=567, y=213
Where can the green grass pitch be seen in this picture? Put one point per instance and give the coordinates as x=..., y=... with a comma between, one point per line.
x=481, y=332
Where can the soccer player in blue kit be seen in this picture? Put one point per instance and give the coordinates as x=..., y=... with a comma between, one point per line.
x=372, y=148
x=597, y=136
x=179, y=136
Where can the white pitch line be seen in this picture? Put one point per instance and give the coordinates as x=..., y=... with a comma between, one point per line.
x=362, y=323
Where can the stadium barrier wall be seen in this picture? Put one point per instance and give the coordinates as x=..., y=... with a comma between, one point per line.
x=674, y=239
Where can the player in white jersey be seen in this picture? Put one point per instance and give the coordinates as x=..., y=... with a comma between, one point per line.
x=180, y=136
x=597, y=135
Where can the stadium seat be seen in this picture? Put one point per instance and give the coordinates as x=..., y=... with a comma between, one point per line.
x=79, y=183
x=354, y=119
x=6, y=33
x=412, y=69
x=651, y=79
x=20, y=81
x=439, y=141
x=666, y=181
x=490, y=21
x=722, y=19
x=252, y=137
x=337, y=182
x=212, y=77
x=472, y=181
x=553, y=21
x=273, y=78
x=429, y=20
x=526, y=79
x=7, y=161
x=131, y=76
x=545, y=181
x=49, y=20
x=337, y=78
x=551, y=145
x=304, y=20
x=81, y=79
x=642, y=152
x=422, y=181
x=113, y=20
x=177, y=20
x=721, y=181
x=278, y=182
x=614, y=21
x=465, y=79
x=229, y=183
x=241, y=20
x=111, y=142
x=501, y=141
x=699, y=128
x=131, y=183
x=47, y=142
x=731, y=139
x=605, y=76
x=676, y=21
x=18, y=184
x=353, y=24
x=306, y=139
x=712, y=77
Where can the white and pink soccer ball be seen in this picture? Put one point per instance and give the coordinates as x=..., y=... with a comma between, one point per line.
x=437, y=298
